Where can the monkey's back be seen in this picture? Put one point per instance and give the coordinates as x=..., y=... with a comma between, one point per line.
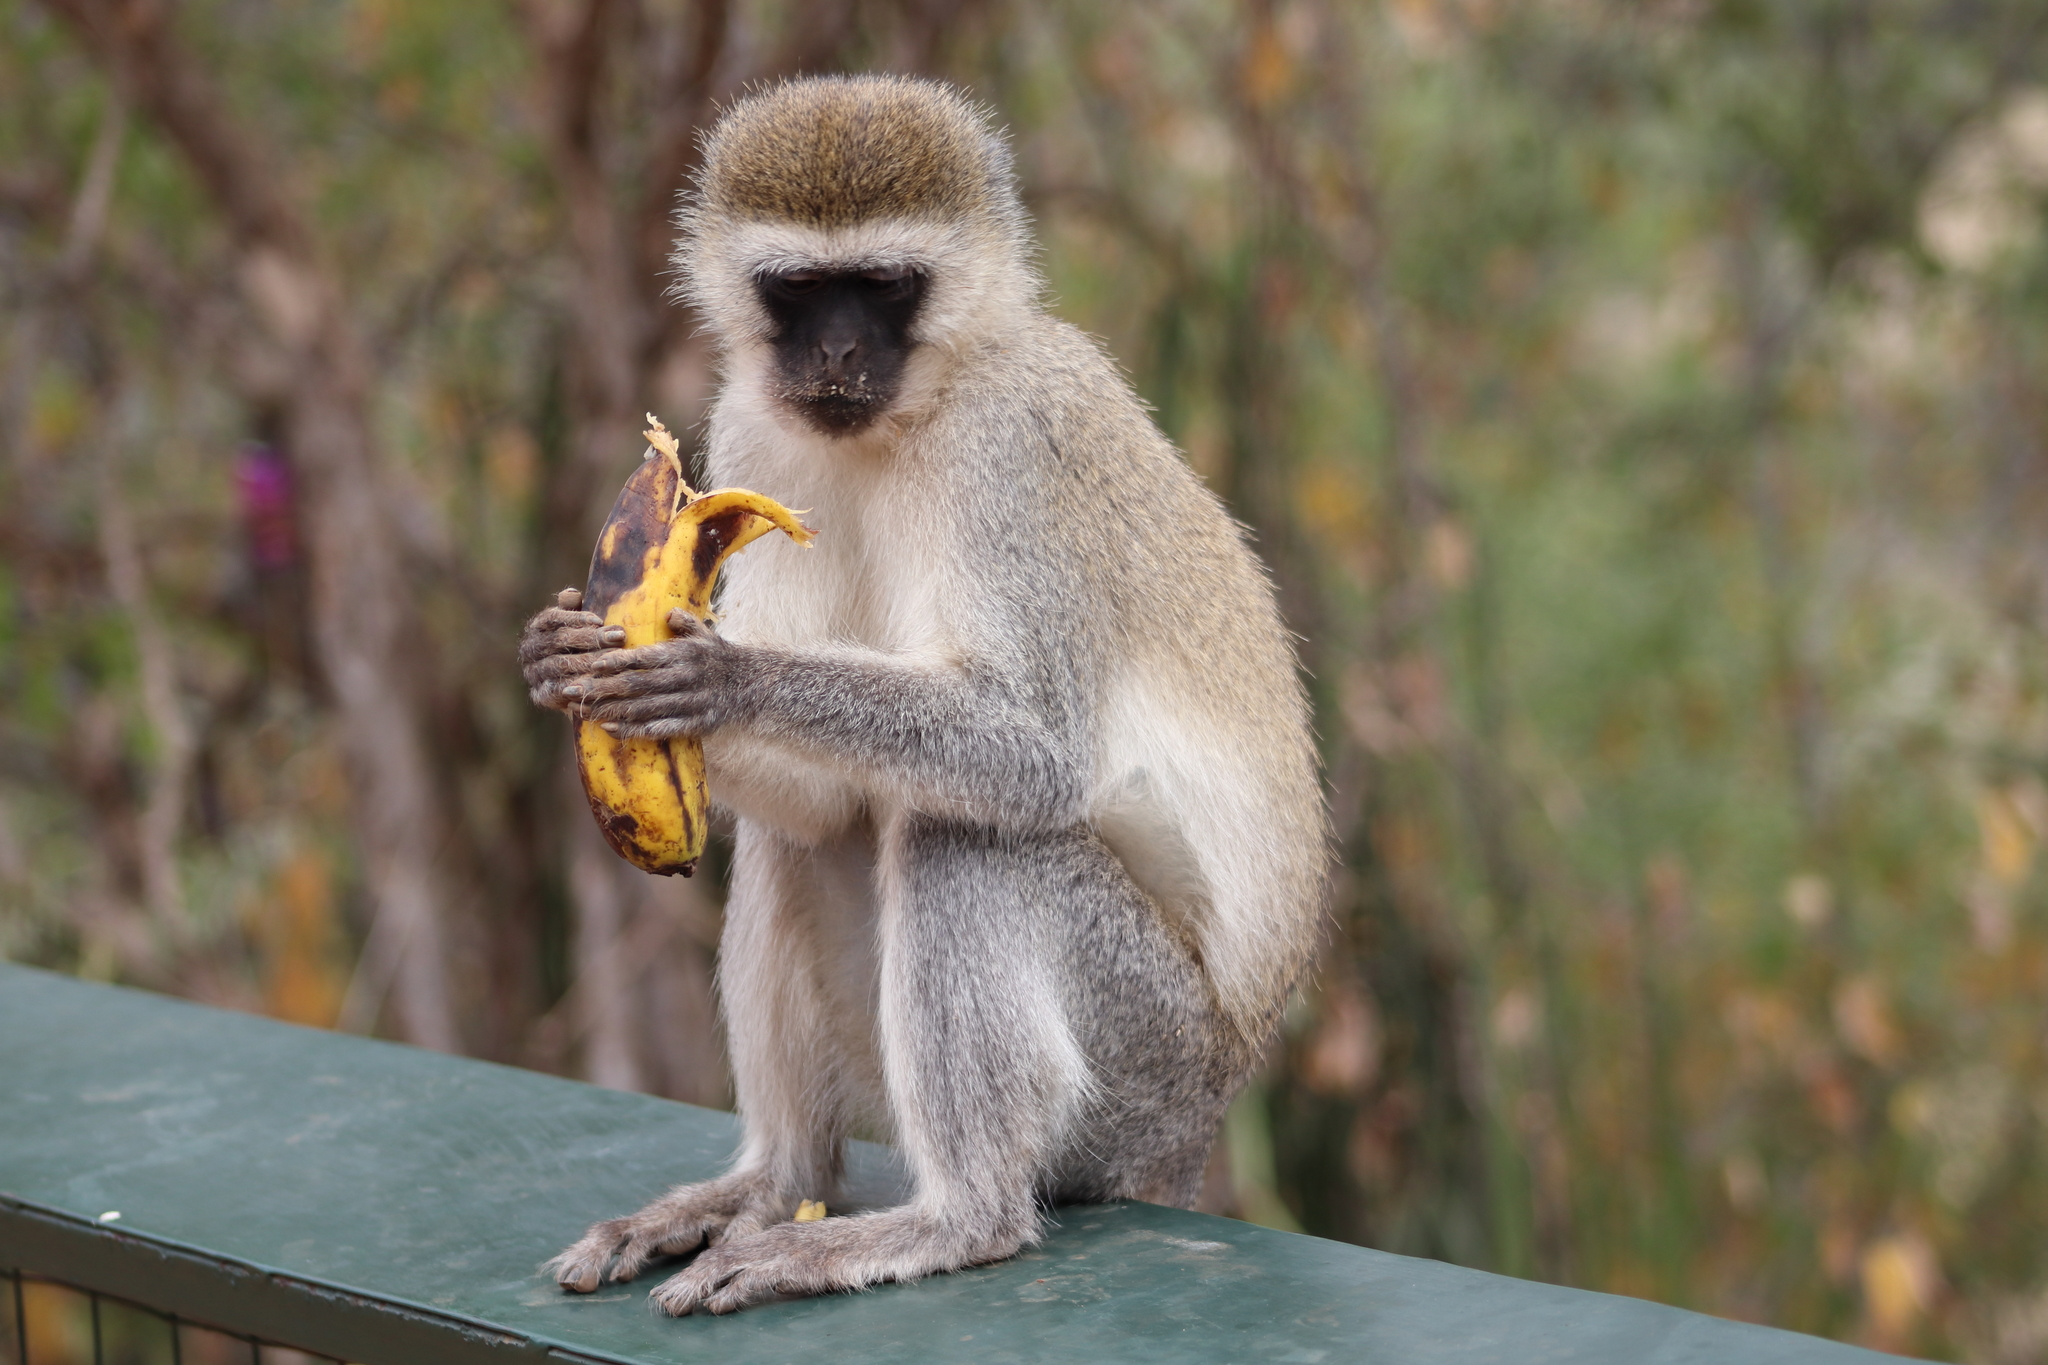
x=1204, y=766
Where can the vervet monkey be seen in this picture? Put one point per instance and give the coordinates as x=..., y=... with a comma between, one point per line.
x=1030, y=838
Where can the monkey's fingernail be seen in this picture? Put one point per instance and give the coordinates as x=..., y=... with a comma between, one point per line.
x=572, y=690
x=609, y=728
x=615, y=635
x=569, y=599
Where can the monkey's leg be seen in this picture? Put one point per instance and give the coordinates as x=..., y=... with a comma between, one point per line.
x=782, y=983
x=1165, y=1060
x=982, y=933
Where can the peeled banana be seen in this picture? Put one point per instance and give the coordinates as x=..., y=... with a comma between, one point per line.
x=661, y=549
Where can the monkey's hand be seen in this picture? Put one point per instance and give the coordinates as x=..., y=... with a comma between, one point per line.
x=556, y=647
x=690, y=685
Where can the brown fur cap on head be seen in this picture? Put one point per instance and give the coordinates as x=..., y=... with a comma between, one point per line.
x=837, y=150
x=852, y=172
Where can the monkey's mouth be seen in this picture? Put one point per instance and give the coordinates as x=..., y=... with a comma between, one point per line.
x=837, y=407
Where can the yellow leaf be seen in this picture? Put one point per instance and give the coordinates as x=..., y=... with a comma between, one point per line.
x=2007, y=840
x=1899, y=1283
x=1864, y=1019
x=1268, y=67
x=1809, y=900
x=300, y=943
x=511, y=462
x=1448, y=551
x=1333, y=503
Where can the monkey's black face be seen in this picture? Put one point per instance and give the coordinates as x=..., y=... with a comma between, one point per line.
x=841, y=341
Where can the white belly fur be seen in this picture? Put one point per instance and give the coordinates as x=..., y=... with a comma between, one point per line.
x=869, y=581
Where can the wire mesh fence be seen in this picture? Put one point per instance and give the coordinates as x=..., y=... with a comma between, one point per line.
x=45, y=1322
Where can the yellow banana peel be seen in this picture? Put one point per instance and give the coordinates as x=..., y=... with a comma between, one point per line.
x=661, y=549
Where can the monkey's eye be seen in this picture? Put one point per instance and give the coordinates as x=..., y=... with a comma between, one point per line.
x=890, y=282
x=796, y=284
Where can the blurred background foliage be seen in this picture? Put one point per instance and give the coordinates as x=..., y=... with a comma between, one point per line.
x=1642, y=407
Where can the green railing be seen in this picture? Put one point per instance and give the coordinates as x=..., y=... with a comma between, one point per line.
x=208, y=1186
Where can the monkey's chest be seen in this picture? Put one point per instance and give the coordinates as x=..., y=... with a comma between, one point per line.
x=859, y=585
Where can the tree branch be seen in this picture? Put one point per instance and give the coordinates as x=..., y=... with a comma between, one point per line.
x=363, y=619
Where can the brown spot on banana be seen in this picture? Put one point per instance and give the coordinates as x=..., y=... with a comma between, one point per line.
x=661, y=550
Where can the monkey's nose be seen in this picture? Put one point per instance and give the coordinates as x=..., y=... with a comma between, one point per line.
x=837, y=351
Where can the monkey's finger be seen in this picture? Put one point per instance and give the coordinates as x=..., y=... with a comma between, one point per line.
x=668, y=654
x=535, y=645
x=675, y=727
x=569, y=599
x=558, y=668
x=682, y=624
x=550, y=698
x=570, y=639
x=684, y=676
x=553, y=622
x=679, y=702
x=554, y=618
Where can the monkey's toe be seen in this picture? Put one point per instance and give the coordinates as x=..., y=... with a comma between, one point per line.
x=676, y=1224
x=830, y=1256
x=581, y=1267
x=620, y=1248
x=724, y=1278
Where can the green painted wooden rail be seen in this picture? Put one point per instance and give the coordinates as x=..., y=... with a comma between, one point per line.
x=381, y=1204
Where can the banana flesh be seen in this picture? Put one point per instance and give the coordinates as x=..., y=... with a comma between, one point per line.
x=661, y=549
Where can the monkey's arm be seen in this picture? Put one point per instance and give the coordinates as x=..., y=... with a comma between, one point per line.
x=952, y=740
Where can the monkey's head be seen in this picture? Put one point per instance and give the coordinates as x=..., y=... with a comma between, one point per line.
x=847, y=233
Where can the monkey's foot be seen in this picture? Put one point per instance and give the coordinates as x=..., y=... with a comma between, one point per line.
x=679, y=1222
x=829, y=1256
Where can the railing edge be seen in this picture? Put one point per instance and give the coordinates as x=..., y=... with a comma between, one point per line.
x=203, y=1287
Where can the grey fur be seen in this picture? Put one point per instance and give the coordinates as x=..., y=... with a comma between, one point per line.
x=1031, y=842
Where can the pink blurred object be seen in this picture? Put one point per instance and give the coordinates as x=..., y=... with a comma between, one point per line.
x=263, y=483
